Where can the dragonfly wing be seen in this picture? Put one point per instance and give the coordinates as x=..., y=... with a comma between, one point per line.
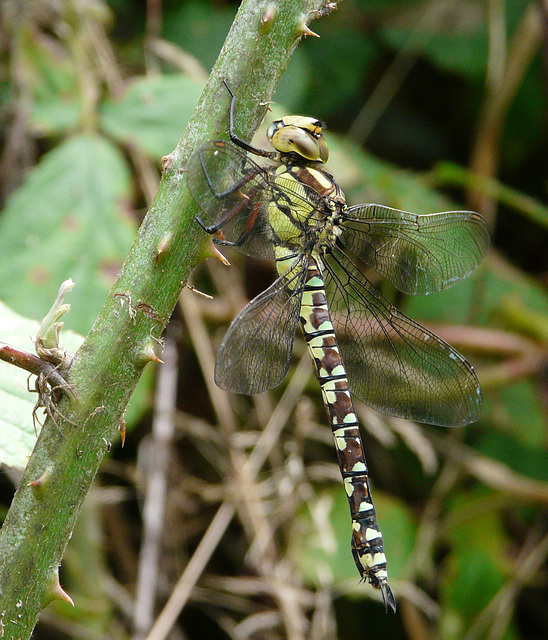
x=256, y=351
x=418, y=254
x=249, y=206
x=394, y=364
x=233, y=193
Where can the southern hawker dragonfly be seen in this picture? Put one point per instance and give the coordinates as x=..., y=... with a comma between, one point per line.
x=290, y=210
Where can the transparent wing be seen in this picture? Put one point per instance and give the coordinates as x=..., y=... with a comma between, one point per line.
x=233, y=193
x=249, y=206
x=256, y=351
x=418, y=254
x=394, y=364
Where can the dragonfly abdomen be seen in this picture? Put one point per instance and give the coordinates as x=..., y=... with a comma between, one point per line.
x=367, y=542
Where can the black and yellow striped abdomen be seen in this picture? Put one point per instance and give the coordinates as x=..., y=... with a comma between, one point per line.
x=367, y=542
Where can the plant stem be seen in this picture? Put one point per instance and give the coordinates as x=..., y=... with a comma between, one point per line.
x=107, y=367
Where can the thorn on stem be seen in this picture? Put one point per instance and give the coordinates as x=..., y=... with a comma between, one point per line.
x=215, y=253
x=122, y=429
x=164, y=246
x=306, y=31
x=56, y=592
x=269, y=16
x=41, y=481
x=149, y=355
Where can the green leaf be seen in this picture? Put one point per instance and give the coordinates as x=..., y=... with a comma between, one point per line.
x=152, y=112
x=56, y=104
x=17, y=435
x=476, y=566
x=66, y=220
x=316, y=545
x=472, y=580
x=398, y=525
x=519, y=413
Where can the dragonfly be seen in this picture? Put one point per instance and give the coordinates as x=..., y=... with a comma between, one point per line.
x=287, y=208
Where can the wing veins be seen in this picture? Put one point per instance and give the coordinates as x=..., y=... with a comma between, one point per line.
x=244, y=362
x=359, y=296
x=422, y=369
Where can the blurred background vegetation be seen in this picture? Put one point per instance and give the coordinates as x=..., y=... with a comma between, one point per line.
x=430, y=105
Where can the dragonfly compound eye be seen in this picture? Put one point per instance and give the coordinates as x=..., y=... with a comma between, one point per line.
x=305, y=144
x=299, y=135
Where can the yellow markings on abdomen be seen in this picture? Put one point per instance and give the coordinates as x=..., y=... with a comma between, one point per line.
x=308, y=327
x=365, y=506
x=316, y=344
x=372, y=534
x=370, y=561
x=348, y=486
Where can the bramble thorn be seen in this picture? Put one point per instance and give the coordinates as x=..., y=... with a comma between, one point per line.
x=164, y=247
x=41, y=481
x=122, y=430
x=56, y=592
x=269, y=15
x=149, y=355
x=306, y=31
x=217, y=254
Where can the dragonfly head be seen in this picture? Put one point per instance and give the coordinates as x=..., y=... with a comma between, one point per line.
x=300, y=136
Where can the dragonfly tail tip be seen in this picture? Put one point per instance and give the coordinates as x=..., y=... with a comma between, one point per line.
x=388, y=597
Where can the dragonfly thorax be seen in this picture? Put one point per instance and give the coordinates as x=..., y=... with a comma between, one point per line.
x=299, y=136
x=319, y=224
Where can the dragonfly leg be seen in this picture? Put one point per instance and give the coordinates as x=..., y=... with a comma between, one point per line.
x=235, y=138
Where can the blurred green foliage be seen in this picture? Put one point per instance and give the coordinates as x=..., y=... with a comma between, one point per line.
x=91, y=99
